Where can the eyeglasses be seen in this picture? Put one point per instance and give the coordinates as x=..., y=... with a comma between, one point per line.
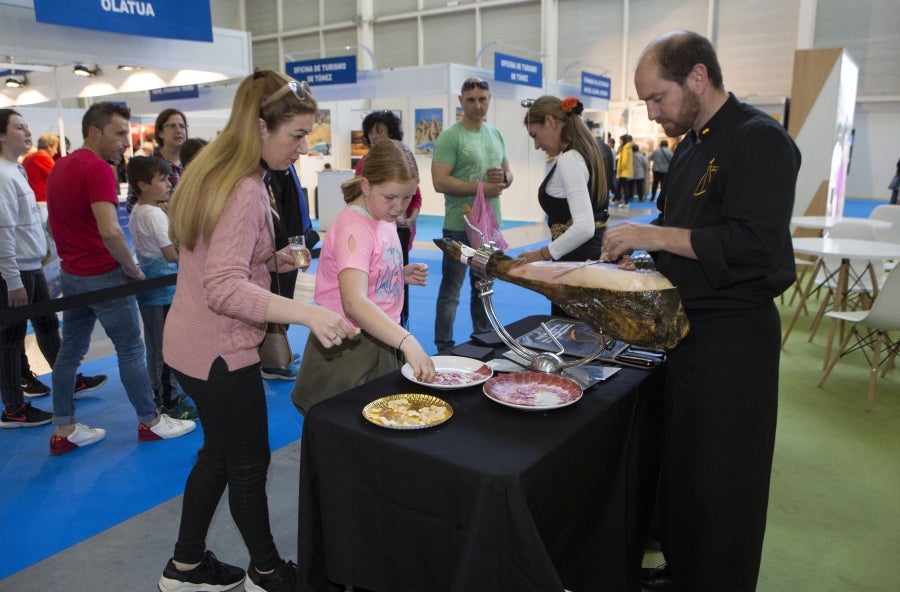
x=298, y=87
x=470, y=84
x=172, y=126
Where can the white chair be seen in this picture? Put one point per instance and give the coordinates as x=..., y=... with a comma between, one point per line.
x=870, y=329
x=888, y=213
x=860, y=288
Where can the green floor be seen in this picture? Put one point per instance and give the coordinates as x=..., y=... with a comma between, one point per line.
x=834, y=508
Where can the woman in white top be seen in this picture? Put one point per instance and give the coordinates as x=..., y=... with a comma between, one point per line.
x=574, y=191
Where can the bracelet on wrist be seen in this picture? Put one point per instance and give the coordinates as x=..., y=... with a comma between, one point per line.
x=545, y=253
x=399, y=345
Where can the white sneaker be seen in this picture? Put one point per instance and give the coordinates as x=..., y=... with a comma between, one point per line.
x=82, y=436
x=167, y=427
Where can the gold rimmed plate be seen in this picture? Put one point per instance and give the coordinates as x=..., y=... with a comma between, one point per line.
x=408, y=411
x=533, y=391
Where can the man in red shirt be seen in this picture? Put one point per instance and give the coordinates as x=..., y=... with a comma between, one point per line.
x=37, y=165
x=82, y=192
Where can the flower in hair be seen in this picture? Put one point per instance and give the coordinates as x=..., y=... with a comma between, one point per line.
x=572, y=105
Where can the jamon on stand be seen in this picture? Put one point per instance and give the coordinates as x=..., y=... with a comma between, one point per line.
x=639, y=307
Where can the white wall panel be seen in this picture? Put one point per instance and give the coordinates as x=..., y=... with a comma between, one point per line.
x=756, y=43
x=226, y=13
x=262, y=17
x=450, y=38
x=870, y=31
x=388, y=7
x=396, y=44
x=518, y=25
x=337, y=11
x=300, y=14
x=265, y=55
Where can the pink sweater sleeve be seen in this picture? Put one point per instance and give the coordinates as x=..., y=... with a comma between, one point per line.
x=241, y=244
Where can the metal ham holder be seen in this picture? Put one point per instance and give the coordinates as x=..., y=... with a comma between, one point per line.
x=541, y=361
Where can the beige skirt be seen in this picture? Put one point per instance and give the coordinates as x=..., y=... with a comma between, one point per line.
x=325, y=373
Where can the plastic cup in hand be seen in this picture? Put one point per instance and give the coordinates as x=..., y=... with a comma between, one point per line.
x=299, y=251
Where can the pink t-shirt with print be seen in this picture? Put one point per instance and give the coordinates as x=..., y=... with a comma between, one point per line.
x=377, y=253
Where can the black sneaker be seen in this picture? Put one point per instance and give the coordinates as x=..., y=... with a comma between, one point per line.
x=25, y=416
x=284, y=578
x=32, y=387
x=211, y=575
x=84, y=383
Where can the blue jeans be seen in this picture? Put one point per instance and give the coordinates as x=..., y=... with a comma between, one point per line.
x=162, y=379
x=453, y=274
x=119, y=318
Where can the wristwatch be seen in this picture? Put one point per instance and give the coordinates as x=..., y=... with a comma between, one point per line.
x=506, y=177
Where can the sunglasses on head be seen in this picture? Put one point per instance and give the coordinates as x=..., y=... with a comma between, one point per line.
x=298, y=87
x=470, y=84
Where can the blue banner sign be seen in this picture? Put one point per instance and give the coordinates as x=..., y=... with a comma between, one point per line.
x=509, y=68
x=339, y=70
x=171, y=19
x=172, y=93
x=593, y=85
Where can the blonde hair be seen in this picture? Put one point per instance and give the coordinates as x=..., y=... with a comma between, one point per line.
x=388, y=161
x=575, y=135
x=205, y=186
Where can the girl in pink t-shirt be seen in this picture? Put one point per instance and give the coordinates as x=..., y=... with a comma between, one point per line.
x=361, y=276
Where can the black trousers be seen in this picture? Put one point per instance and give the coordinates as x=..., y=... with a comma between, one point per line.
x=13, y=362
x=404, y=233
x=232, y=409
x=720, y=407
x=658, y=179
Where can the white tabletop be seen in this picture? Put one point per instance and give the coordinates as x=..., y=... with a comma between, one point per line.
x=847, y=248
x=826, y=222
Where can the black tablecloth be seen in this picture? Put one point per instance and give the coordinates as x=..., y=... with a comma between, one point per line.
x=494, y=499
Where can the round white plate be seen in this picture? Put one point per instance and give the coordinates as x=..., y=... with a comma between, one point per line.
x=533, y=391
x=453, y=372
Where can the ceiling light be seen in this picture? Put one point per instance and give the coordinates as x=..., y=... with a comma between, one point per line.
x=82, y=70
x=17, y=81
x=130, y=68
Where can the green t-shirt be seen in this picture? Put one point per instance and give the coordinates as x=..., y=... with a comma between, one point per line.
x=471, y=154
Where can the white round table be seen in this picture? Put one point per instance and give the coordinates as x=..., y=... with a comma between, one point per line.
x=826, y=222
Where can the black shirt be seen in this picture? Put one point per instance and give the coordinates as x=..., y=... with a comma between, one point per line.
x=733, y=185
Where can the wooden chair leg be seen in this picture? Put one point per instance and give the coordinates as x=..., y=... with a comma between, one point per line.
x=829, y=366
x=873, y=377
x=819, y=315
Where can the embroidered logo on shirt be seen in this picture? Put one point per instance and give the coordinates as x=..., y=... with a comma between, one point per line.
x=706, y=179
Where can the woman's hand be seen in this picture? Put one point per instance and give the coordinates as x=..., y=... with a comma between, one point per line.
x=415, y=274
x=329, y=327
x=284, y=261
x=530, y=256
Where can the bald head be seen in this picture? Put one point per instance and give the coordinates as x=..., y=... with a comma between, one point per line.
x=675, y=54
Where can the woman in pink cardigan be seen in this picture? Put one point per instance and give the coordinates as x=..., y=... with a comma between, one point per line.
x=221, y=219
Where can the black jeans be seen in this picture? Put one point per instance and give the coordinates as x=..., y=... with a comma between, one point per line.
x=232, y=409
x=12, y=338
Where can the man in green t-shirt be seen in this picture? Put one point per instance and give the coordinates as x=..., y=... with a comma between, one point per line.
x=467, y=153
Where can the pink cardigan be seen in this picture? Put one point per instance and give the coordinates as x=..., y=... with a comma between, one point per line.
x=223, y=288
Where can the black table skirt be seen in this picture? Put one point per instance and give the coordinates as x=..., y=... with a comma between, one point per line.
x=494, y=499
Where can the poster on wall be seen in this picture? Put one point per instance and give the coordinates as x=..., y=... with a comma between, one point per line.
x=429, y=123
x=319, y=141
x=358, y=147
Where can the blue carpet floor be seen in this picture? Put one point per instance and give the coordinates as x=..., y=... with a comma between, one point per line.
x=51, y=503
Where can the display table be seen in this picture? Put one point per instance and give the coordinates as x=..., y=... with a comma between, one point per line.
x=846, y=249
x=826, y=222
x=494, y=499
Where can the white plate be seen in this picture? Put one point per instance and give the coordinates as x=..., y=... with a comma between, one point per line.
x=473, y=372
x=533, y=391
